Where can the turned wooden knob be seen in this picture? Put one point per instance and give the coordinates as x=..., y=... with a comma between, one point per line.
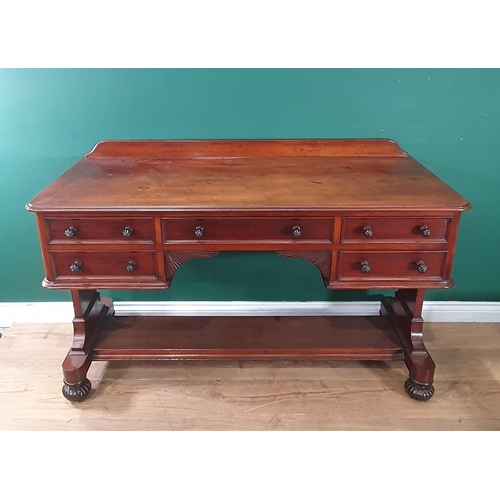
x=365, y=267
x=131, y=265
x=424, y=231
x=127, y=231
x=367, y=231
x=198, y=231
x=296, y=231
x=71, y=231
x=76, y=266
x=421, y=267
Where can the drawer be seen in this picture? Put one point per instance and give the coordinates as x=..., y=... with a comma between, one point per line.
x=378, y=229
x=116, y=230
x=104, y=264
x=375, y=265
x=240, y=229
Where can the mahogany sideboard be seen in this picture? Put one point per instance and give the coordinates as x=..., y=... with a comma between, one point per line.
x=363, y=212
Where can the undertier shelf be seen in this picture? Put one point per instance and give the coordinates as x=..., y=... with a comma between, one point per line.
x=247, y=338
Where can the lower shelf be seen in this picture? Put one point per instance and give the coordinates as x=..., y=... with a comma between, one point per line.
x=247, y=338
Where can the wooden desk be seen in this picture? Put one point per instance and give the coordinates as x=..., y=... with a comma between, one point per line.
x=366, y=214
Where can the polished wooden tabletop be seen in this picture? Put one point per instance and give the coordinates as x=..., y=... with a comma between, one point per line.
x=248, y=175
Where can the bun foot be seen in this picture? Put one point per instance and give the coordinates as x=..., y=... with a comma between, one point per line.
x=418, y=391
x=77, y=392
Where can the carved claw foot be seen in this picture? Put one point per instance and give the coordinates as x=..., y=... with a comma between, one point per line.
x=77, y=392
x=418, y=391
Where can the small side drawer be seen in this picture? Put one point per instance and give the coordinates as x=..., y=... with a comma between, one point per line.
x=245, y=229
x=386, y=229
x=377, y=265
x=104, y=265
x=116, y=230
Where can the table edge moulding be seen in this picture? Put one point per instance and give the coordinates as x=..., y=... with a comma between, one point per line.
x=362, y=211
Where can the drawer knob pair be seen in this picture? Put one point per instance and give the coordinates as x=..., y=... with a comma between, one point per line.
x=421, y=267
x=72, y=230
x=77, y=266
x=424, y=231
x=199, y=230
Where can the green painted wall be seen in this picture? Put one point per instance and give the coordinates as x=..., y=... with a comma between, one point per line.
x=448, y=119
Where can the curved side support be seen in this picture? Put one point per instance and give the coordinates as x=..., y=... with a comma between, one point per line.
x=90, y=312
x=405, y=313
x=321, y=259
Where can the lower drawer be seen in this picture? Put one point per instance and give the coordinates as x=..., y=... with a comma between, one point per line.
x=377, y=265
x=104, y=265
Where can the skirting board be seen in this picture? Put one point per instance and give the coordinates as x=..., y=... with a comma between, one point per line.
x=62, y=312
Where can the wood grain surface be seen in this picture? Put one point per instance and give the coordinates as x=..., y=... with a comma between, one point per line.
x=231, y=395
x=266, y=176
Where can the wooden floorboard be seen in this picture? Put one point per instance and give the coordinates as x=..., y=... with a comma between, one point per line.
x=232, y=395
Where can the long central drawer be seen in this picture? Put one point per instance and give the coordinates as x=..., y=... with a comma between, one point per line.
x=241, y=229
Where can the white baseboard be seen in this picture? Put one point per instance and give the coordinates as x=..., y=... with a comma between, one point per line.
x=212, y=308
x=35, y=312
x=62, y=312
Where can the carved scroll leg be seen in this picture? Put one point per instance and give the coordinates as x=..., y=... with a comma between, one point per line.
x=90, y=312
x=405, y=313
